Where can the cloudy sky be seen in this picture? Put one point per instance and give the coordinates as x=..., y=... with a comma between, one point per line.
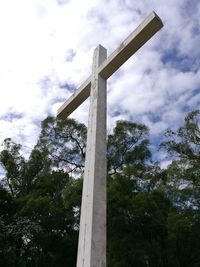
x=46, y=53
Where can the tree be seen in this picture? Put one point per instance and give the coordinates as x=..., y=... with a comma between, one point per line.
x=43, y=228
x=183, y=188
x=136, y=212
x=184, y=171
x=127, y=146
x=153, y=213
x=184, y=144
x=47, y=206
x=64, y=142
x=137, y=229
x=13, y=163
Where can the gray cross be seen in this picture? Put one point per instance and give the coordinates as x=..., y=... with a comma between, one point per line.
x=92, y=235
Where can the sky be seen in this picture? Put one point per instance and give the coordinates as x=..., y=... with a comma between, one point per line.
x=46, y=53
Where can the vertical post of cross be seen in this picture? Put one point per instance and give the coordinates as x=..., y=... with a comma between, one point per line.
x=92, y=235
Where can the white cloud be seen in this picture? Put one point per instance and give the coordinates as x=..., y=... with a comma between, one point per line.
x=45, y=44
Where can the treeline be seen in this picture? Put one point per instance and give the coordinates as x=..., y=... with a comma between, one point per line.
x=153, y=213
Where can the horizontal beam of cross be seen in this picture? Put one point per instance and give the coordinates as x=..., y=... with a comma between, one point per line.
x=131, y=44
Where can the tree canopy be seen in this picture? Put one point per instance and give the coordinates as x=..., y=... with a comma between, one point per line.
x=153, y=213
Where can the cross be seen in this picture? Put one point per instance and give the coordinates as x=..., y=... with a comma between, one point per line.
x=92, y=234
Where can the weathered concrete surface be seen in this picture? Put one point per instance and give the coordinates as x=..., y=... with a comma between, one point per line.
x=92, y=236
x=132, y=43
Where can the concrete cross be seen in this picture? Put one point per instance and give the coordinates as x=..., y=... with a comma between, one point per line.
x=92, y=235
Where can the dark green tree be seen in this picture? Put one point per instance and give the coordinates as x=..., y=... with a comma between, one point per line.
x=127, y=146
x=153, y=213
x=43, y=228
x=64, y=142
x=182, y=187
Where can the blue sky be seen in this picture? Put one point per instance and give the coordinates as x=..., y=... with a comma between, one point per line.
x=46, y=52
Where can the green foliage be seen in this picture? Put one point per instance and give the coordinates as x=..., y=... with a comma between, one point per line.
x=185, y=142
x=136, y=225
x=13, y=163
x=183, y=173
x=182, y=187
x=153, y=213
x=127, y=146
x=46, y=206
x=64, y=143
x=185, y=145
x=43, y=228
